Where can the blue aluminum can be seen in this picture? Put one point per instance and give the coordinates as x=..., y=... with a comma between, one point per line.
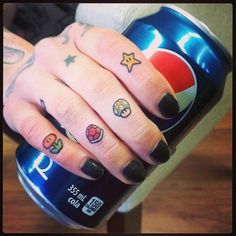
x=193, y=61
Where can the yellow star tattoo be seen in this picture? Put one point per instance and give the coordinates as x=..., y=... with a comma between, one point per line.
x=129, y=61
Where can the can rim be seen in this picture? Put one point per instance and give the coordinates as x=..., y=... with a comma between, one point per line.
x=202, y=26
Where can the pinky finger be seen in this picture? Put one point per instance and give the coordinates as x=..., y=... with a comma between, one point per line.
x=41, y=134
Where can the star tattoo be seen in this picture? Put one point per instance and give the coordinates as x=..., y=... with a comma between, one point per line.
x=129, y=61
x=70, y=59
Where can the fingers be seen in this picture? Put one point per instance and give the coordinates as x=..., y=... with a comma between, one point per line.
x=108, y=97
x=120, y=56
x=76, y=116
x=95, y=106
x=41, y=134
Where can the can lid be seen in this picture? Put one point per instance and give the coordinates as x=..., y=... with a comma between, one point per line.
x=204, y=28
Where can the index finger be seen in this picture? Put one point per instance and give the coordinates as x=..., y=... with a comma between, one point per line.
x=123, y=58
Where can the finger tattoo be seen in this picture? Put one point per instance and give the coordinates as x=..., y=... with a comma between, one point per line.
x=27, y=64
x=86, y=27
x=65, y=35
x=94, y=133
x=129, y=61
x=52, y=143
x=121, y=108
x=70, y=59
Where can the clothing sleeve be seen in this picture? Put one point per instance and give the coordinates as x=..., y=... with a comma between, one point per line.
x=34, y=21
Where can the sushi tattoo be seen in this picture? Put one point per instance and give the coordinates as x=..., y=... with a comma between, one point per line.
x=121, y=108
x=52, y=143
x=129, y=61
x=94, y=133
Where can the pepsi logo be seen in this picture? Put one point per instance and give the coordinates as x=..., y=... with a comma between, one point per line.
x=182, y=79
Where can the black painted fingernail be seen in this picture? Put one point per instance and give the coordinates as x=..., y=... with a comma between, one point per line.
x=168, y=106
x=135, y=171
x=92, y=169
x=161, y=153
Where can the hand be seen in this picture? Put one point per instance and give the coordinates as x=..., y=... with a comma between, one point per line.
x=93, y=82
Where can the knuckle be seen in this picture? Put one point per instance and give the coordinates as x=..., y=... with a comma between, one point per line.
x=109, y=151
x=70, y=114
x=108, y=40
x=43, y=44
x=69, y=27
x=142, y=137
x=103, y=87
x=73, y=26
x=41, y=49
x=29, y=129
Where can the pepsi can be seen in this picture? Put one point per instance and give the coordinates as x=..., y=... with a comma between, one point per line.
x=196, y=65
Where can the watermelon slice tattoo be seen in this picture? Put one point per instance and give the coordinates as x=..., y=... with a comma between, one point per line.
x=94, y=133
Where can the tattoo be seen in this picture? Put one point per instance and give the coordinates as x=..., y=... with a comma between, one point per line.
x=52, y=143
x=70, y=59
x=94, y=133
x=43, y=104
x=56, y=147
x=12, y=55
x=121, y=108
x=86, y=27
x=65, y=35
x=27, y=64
x=129, y=61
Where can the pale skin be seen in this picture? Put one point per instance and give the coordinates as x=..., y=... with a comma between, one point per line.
x=77, y=77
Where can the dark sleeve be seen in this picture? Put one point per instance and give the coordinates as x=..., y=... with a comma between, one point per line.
x=34, y=21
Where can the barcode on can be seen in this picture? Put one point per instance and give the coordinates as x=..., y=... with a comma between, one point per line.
x=92, y=206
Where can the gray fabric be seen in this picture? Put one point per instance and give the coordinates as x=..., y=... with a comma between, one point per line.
x=218, y=18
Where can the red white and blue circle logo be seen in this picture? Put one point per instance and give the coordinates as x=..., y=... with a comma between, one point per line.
x=181, y=77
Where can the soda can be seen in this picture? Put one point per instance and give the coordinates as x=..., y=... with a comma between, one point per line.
x=194, y=62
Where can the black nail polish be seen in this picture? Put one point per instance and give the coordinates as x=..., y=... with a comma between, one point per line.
x=161, y=153
x=168, y=106
x=93, y=169
x=135, y=171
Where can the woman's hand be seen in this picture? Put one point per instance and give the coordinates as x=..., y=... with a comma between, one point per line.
x=92, y=81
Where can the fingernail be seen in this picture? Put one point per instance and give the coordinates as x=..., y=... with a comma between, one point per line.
x=168, y=106
x=134, y=171
x=161, y=153
x=92, y=169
